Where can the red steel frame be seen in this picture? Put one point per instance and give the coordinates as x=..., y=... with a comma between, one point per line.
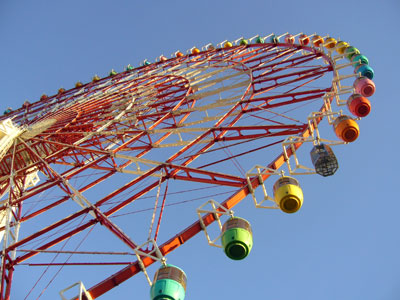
x=57, y=144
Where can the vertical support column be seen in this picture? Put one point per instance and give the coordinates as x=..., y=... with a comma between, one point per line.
x=10, y=221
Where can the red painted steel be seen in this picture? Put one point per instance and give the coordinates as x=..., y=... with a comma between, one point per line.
x=75, y=142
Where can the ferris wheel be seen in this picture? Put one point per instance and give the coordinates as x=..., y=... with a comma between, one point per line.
x=113, y=159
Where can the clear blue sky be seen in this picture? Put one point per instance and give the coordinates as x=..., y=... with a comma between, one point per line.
x=344, y=242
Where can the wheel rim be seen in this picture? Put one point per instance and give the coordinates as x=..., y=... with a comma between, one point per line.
x=92, y=136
